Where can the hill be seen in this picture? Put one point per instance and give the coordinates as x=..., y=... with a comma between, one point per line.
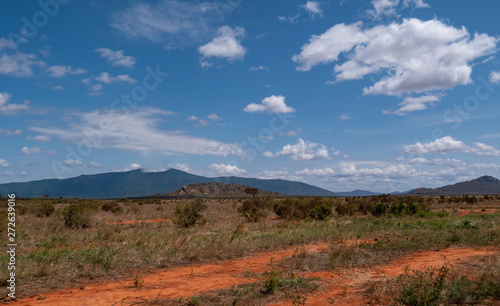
x=357, y=193
x=216, y=190
x=138, y=184
x=483, y=185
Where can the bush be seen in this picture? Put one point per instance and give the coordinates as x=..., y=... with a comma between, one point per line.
x=78, y=216
x=321, y=212
x=186, y=215
x=301, y=208
x=346, y=209
x=44, y=209
x=255, y=209
x=112, y=207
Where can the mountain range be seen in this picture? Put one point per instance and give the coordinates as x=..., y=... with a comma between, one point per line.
x=484, y=185
x=137, y=183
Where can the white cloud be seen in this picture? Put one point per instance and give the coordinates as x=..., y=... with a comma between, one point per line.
x=345, y=116
x=439, y=146
x=132, y=166
x=211, y=119
x=482, y=149
x=116, y=58
x=5, y=107
x=214, y=117
x=107, y=78
x=277, y=174
x=169, y=19
x=60, y=71
x=8, y=173
x=9, y=132
x=94, y=164
x=135, y=131
x=223, y=169
x=30, y=151
x=39, y=138
x=226, y=44
x=72, y=163
x=384, y=7
x=392, y=171
x=272, y=104
x=258, y=68
x=4, y=163
x=416, y=3
x=57, y=87
x=313, y=8
x=495, y=77
x=5, y=43
x=19, y=64
x=182, y=167
x=291, y=19
x=316, y=172
x=411, y=57
x=302, y=150
x=412, y=104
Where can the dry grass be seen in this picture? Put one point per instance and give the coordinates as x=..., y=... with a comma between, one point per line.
x=52, y=256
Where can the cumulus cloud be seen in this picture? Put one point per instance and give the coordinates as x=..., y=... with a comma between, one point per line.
x=226, y=44
x=302, y=150
x=384, y=7
x=316, y=172
x=413, y=56
x=116, y=58
x=60, y=71
x=94, y=164
x=495, y=77
x=72, y=163
x=313, y=8
x=223, y=169
x=272, y=104
x=482, y=149
x=211, y=119
x=19, y=64
x=107, y=78
x=5, y=107
x=274, y=174
x=132, y=166
x=443, y=145
x=30, y=151
x=182, y=167
x=126, y=131
x=412, y=104
x=4, y=163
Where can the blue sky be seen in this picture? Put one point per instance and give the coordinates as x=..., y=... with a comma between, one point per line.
x=382, y=95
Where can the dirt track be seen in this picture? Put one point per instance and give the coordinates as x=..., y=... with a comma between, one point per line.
x=194, y=280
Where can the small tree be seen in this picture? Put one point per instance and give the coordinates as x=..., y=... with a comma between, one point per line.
x=78, y=216
x=252, y=191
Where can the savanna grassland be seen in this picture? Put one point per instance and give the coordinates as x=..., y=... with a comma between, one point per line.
x=257, y=251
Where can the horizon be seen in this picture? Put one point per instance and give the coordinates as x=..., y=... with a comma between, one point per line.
x=378, y=95
x=338, y=191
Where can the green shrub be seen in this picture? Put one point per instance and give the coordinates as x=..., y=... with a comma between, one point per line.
x=44, y=209
x=112, y=207
x=78, y=216
x=271, y=283
x=347, y=209
x=255, y=208
x=321, y=212
x=301, y=208
x=186, y=215
x=380, y=209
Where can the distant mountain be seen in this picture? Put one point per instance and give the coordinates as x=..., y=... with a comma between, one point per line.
x=357, y=193
x=216, y=190
x=138, y=184
x=480, y=186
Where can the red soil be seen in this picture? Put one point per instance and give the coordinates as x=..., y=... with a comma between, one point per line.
x=192, y=280
x=172, y=283
x=344, y=287
x=465, y=212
